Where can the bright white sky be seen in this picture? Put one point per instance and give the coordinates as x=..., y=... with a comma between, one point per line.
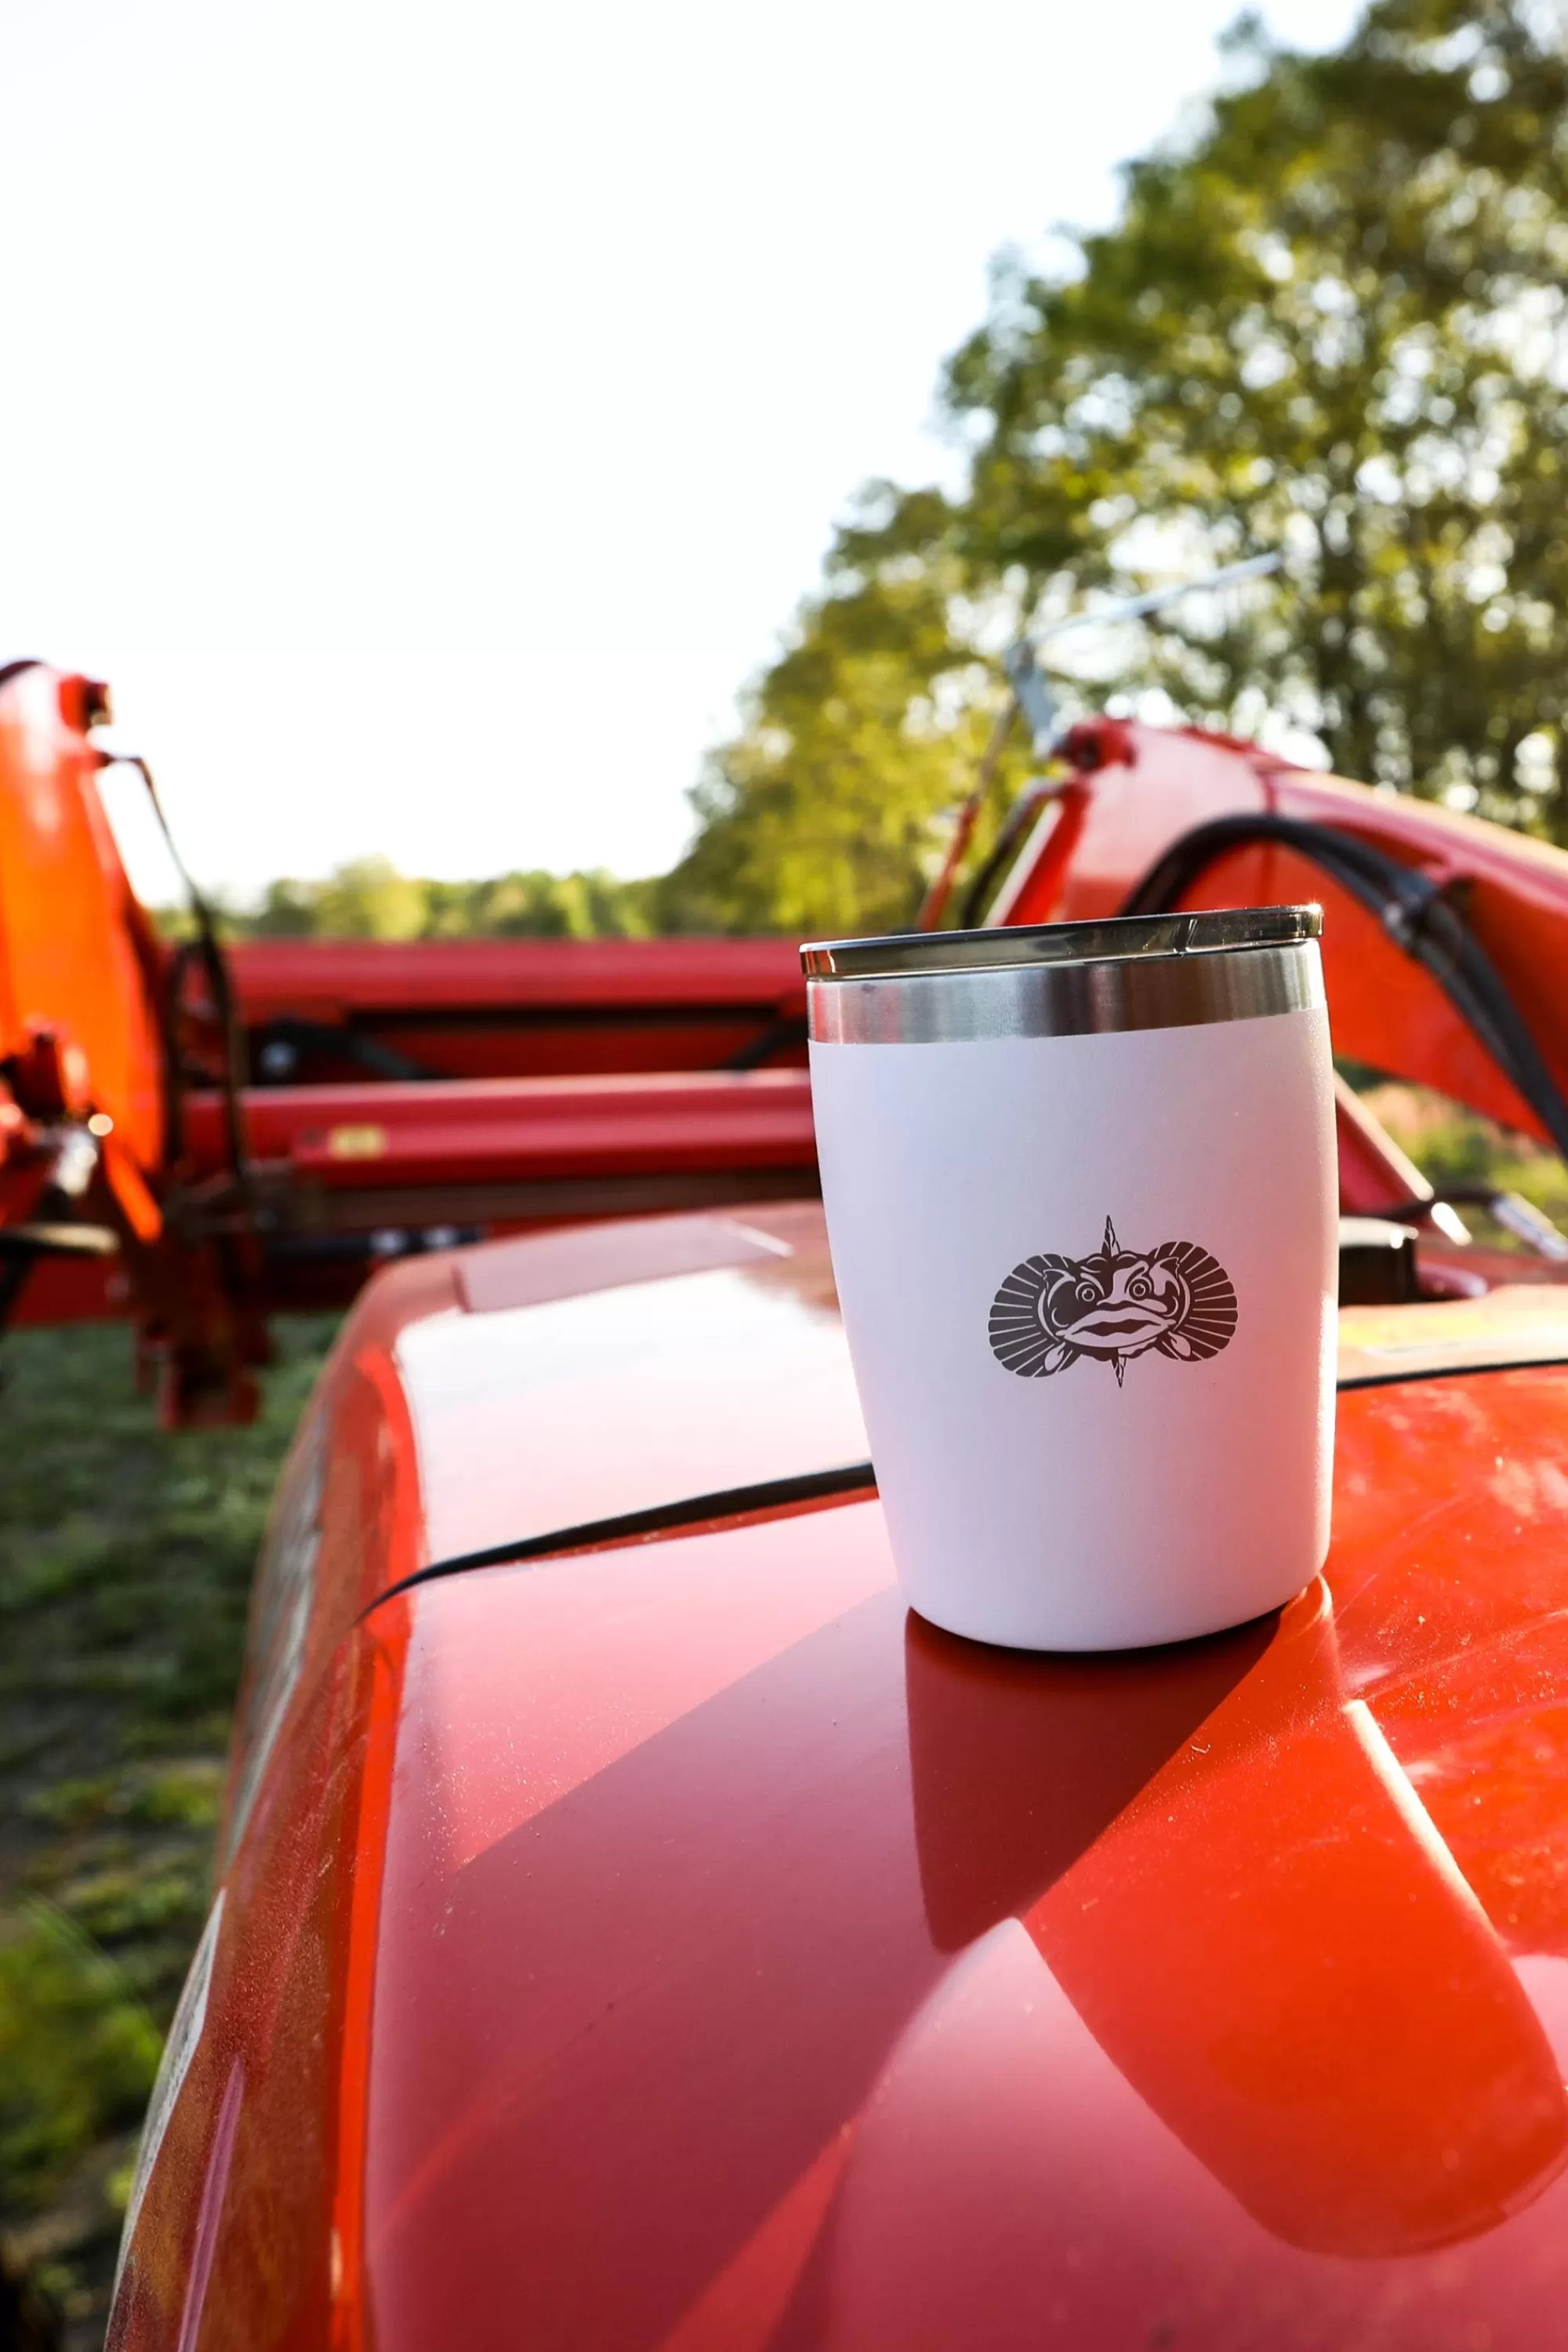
x=427, y=417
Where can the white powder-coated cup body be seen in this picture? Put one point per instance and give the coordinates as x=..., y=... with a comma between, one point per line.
x=1088, y=1282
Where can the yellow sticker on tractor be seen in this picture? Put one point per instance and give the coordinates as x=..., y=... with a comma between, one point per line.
x=356, y=1142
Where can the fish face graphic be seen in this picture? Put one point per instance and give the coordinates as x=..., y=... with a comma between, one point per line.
x=1117, y=1306
x=1113, y=1305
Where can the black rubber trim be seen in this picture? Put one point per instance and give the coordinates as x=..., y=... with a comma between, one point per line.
x=778, y=1494
x=661, y=1519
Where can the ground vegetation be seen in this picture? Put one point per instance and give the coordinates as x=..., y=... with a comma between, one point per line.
x=125, y=1562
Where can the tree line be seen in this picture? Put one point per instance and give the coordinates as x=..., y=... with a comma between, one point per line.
x=368, y=899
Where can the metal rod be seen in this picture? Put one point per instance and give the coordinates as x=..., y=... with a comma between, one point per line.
x=1133, y=608
x=936, y=897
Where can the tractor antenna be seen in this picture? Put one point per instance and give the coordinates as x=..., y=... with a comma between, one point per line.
x=1031, y=693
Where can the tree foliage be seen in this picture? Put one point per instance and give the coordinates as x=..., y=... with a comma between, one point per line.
x=818, y=815
x=370, y=899
x=1332, y=321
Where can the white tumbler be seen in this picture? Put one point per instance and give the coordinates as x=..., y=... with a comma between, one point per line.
x=1081, y=1194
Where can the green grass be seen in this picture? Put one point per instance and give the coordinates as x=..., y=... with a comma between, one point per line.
x=125, y=1562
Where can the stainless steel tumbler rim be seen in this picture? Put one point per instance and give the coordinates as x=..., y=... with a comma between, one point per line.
x=1059, y=980
x=1206, y=932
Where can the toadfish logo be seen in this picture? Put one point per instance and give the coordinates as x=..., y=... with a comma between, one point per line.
x=1116, y=1303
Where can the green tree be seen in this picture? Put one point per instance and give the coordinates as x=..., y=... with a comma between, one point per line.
x=819, y=816
x=539, y=904
x=369, y=899
x=1332, y=321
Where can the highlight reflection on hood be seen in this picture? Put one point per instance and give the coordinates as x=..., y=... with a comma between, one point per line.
x=1339, y=2037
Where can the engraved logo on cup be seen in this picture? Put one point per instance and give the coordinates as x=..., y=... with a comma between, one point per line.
x=1118, y=1302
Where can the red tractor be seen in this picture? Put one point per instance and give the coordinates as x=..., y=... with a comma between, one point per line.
x=633, y=1929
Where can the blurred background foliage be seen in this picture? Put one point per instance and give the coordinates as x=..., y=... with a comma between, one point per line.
x=1329, y=322
x=369, y=899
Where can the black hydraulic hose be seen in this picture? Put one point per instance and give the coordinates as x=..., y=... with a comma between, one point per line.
x=220, y=978
x=1414, y=912
x=778, y=1037
x=176, y=1078
x=303, y=1038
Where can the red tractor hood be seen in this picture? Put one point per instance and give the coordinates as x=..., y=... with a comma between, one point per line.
x=758, y=1966
x=730, y=1960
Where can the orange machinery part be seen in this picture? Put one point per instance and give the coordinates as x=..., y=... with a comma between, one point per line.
x=558, y=1064
x=537, y=1008
x=1134, y=790
x=76, y=947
